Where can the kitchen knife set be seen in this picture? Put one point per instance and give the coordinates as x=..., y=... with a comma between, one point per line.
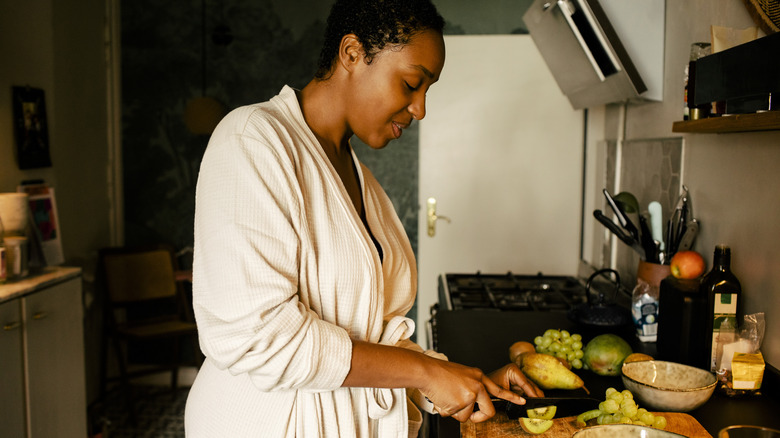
x=644, y=232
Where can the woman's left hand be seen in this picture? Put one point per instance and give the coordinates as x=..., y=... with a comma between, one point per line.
x=510, y=377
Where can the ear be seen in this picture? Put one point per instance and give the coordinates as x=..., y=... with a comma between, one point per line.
x=350, y=52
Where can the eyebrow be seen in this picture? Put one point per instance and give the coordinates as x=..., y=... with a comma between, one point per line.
x=425, y=71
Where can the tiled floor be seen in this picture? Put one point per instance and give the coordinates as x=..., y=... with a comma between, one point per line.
x=159, y=413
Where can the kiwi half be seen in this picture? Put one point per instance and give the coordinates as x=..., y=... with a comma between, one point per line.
x=535, y=426
x=543, y=413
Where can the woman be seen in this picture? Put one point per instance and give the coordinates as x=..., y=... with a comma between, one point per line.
x=303, y=272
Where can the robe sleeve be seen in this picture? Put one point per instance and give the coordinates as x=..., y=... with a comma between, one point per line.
x=248, y=232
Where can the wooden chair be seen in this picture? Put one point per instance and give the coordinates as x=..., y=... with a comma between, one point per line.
x=144, y=305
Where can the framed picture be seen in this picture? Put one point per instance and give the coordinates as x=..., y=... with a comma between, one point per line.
x=46, y=245
x=31, y=128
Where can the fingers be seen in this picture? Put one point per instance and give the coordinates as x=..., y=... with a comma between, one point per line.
x=529, y=388
x=486, y=408
x=472, y=401
x=502, y=392
x=510, y=377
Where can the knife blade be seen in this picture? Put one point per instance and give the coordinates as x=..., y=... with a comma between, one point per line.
x=621, y=216
x=565, y=406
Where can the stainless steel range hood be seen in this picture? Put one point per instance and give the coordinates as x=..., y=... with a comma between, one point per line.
x=601, y=51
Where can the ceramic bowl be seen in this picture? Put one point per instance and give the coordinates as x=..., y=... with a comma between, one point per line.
x=668, y=386
x=747, y=431
x=623, y=431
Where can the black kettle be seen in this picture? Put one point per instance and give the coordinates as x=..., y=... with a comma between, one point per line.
x=598, y=312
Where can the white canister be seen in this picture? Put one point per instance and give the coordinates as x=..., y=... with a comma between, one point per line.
x=14, y=209
x=16, y=256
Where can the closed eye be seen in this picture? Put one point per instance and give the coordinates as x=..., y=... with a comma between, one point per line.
x=410, y=87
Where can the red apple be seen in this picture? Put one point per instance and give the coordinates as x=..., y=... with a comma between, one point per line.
x=687, y=265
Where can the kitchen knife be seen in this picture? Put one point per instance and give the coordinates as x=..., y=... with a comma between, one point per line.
x=565, y=406
x=621, y=216
x=677, y=223
x=617, y=231
x=656, y=219
x=611, y=226
x=691, y=230
x=647, y=242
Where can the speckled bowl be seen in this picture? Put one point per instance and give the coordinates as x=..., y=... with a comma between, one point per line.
x=623, y=431
x=668, y=386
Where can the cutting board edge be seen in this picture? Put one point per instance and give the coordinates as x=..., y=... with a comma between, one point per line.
x=501, y=426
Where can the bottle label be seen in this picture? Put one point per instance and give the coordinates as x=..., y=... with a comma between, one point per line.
x=725, y=304
x=645, y=314
x=725, y=309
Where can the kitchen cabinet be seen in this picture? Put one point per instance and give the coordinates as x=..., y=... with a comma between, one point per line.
x=11, y=366
x=766, y=121
x=42, y=350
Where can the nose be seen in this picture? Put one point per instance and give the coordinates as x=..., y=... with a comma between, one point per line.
x=417, y=106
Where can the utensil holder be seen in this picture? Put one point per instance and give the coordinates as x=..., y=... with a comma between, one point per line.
x=652, y=273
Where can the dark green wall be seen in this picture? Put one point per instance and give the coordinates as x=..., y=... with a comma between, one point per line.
x=274, y=42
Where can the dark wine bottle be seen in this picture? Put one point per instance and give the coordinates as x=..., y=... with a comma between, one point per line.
x=723, y=292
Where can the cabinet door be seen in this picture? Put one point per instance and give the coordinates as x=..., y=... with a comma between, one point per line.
x=11, y=374
x=55, y=358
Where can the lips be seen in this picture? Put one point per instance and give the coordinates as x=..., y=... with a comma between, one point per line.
x=398, y=128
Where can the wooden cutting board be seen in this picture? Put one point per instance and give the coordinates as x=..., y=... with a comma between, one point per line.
x=502, y=427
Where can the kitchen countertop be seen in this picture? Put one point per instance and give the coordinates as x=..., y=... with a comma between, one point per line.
x=35, y=281
x=481, y=338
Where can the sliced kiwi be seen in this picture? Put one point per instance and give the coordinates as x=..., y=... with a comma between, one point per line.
x=535, y=426
x=543, y=413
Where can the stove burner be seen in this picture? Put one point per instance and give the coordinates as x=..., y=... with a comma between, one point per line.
x=510, y=292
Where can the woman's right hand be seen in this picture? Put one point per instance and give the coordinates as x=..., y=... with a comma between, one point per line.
x=456, y=389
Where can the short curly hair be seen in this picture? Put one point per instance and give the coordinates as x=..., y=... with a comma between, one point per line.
x=376, y=23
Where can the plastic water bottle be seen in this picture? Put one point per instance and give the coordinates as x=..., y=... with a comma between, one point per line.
x=644, y=310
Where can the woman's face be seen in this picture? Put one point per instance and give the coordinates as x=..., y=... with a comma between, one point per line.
x=390, y=92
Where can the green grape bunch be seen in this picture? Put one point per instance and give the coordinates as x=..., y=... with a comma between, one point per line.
x=561, y=344
x=619, y=407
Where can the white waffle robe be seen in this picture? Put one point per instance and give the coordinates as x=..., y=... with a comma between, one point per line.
x=285, y=273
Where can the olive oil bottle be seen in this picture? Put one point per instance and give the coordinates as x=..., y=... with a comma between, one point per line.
x=724, y=295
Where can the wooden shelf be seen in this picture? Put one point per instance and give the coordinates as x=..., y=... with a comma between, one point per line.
x=766, y=121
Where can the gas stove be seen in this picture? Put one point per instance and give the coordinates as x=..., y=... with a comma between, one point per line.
x=510, y=292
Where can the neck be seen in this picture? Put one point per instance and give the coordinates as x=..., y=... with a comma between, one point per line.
x=322, y=106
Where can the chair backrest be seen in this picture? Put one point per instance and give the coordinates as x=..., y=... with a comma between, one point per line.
x=133, y=275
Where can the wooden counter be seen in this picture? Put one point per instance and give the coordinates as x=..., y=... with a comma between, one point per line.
x=35, y=281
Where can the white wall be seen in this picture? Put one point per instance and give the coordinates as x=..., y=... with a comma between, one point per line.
x=27, y=55
x=733, y=178
x=58, y=46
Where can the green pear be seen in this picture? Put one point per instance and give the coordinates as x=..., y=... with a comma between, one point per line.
x=548, y=373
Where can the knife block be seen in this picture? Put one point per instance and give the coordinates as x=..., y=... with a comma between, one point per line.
x=681, y=323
